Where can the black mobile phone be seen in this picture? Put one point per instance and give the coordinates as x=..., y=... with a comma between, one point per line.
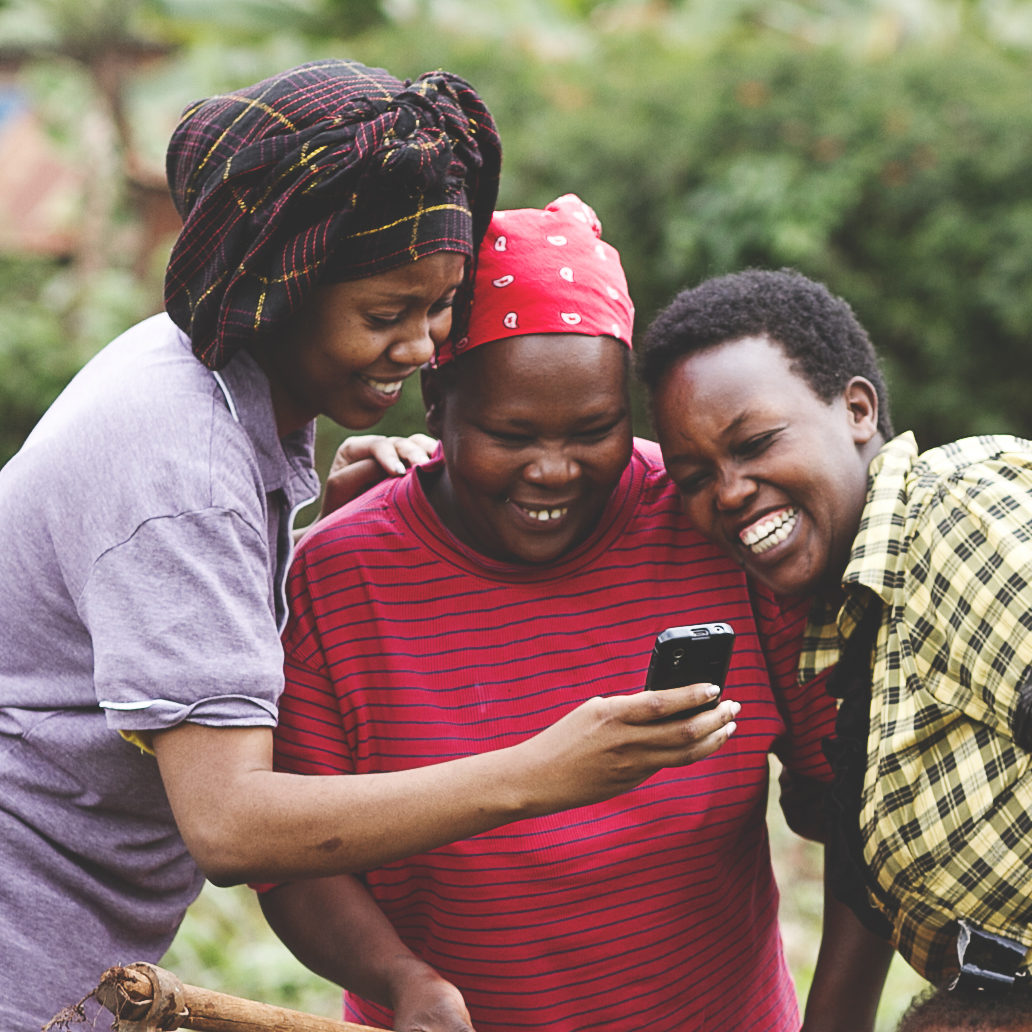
x=697, y=654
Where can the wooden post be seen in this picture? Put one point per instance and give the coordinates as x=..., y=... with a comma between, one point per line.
x=146, y=998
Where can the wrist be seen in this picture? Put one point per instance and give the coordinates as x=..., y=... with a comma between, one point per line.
x=406, y=977
x=521, y=776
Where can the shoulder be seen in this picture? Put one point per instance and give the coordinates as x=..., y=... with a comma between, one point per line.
x=972, y=461
x=658, y=498
x=132, y=438
x=367, y=524
x=659, y=527
x=986, y=481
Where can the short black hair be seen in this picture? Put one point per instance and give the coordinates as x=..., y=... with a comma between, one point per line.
x=945, y=1010
x=819, y=332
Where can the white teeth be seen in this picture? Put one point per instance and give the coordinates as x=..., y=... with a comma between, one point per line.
x=766, y=535
x=541, y=515
x=381, y=387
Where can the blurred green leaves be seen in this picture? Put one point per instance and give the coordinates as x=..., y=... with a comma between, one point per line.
x=891, y=158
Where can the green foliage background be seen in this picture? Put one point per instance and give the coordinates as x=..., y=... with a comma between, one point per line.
x=898, y=172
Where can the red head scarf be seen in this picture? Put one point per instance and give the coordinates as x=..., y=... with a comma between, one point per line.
x=546, y=271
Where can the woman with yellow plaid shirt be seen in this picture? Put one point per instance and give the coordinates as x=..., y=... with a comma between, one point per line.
x=773, y=418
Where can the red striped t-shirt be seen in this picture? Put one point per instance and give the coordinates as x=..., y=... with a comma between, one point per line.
x=656, y=910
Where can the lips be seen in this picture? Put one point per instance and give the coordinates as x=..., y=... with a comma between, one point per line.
x=769, y=530
x=542, y=513
x=388, y=388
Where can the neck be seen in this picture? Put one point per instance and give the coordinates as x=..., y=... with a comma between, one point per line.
x=441, y=496
x=290, y=415
x=831, y=589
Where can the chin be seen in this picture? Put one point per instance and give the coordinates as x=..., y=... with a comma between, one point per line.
x=357, y=419
x=537, y=554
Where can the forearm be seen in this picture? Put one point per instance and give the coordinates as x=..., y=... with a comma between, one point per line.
x=243, y=822
x=335, y=928
x=851, y=967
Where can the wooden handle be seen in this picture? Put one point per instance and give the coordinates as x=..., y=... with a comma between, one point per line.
x=146, y=998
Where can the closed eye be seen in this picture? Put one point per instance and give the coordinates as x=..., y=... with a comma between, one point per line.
x=691, y=484
x=444, y=304
x=382, y=319
x=597, y=433
x=757, y=445
x=514, y=439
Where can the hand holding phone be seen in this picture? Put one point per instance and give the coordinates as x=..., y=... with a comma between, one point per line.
x=696, y=654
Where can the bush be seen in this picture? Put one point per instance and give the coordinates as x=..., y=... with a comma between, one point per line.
x=904, y=183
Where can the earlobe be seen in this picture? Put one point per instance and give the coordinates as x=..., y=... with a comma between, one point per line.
x=862, y=405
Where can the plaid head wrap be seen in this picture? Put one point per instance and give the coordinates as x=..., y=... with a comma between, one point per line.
x=327, y=172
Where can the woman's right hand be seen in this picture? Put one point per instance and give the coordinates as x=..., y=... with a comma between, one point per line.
x=609, y=745
x=244, y=822
x=363, y=460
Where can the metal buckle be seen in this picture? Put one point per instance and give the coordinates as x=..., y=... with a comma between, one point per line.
x=988, y=962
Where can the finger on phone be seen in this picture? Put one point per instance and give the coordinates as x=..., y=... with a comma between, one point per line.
x=649, y=706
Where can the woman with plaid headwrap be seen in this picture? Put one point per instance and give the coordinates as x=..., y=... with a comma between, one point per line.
x=331, y=214
x=331, y=219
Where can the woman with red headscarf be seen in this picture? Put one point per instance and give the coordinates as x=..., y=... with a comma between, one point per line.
x=331, y=219
x=472, y=603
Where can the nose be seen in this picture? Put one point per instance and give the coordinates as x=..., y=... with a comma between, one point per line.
x=734, y=489
x=416, y=348
x=552, y=468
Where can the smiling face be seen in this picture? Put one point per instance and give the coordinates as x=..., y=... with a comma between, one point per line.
x=354, y=343
x=536, y=432
x=765, y=467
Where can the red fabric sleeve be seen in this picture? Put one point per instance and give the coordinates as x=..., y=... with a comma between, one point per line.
x=808, y=711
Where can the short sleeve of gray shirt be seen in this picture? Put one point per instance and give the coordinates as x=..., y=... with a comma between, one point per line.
x=150, y=511
x=176, y=614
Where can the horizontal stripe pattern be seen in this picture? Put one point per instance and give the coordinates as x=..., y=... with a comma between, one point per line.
x=654, y=910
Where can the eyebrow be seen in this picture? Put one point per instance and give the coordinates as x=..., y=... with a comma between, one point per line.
x=735, y=424
x=381, y=295
x=518, y=422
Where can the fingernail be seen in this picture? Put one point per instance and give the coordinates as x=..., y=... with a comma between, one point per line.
x=712, y=691
x=399, y=468
x=736, y=708
x=730, y=728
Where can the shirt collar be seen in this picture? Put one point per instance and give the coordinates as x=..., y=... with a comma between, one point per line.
x=284, y=463
x=872, y=560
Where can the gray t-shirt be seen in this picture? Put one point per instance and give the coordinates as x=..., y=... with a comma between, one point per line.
x=144, y=537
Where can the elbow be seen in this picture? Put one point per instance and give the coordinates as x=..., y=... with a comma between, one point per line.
x=225, y=855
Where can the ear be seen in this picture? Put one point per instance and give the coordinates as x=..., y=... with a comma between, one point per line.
x=433, y=398
x=862, y=407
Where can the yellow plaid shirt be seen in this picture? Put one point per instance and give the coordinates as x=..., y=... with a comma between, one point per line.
x=945, y=542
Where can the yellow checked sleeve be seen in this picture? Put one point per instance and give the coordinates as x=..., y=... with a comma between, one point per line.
x=967, y=594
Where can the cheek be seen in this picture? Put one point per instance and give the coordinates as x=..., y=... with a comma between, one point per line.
x=440, y=326
x=609, y=474
x=347, y=348
x=483, y=471
x=699, y=514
